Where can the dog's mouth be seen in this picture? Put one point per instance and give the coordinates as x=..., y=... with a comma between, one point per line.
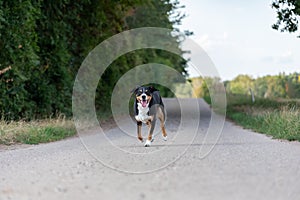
x=144, y=103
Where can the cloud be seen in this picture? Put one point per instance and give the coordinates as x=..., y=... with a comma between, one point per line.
x=286, y=57
x=211, y=42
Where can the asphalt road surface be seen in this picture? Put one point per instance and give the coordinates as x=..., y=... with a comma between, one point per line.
x=192, y=164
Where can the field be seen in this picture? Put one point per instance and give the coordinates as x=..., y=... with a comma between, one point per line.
x=278, y=118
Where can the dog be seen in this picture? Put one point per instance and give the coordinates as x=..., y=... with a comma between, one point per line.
x=148, y=107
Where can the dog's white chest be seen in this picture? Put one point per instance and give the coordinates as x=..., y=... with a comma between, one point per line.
x=143, y=114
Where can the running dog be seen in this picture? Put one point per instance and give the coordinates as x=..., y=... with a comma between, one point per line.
x=148, y=106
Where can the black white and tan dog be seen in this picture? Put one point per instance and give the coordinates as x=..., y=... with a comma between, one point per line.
x=148, y=107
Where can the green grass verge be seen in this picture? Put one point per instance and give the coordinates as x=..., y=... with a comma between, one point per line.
x=35, y=132
x=280, y=124
x=277, y=118
x=43, y=131
x=45, y=134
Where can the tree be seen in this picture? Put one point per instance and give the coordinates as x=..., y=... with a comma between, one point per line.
x=260, y=86
x=293, y=85
x=288, y=12
x=240, y=85
x=43, y=44
x=165, y=14
x=18, y=56
x=276, y=86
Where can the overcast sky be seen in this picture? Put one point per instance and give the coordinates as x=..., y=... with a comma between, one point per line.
x=238, y=37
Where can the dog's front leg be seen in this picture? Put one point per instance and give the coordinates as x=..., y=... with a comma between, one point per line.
x=150, y=133
x=139, y=131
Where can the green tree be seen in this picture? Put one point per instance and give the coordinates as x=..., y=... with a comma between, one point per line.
x=288, y=12
x=43, y=44
x=293, y=85
x=165, y=14
x=276, y=87
x=18, y=56
x=240, y=85
x=260, y=86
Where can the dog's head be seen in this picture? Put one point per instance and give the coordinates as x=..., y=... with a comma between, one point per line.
x=143, y=95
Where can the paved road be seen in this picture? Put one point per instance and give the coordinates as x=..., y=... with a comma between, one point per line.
x=242, y=165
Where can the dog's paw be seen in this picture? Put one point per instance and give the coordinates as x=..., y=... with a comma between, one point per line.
x=141, y=139
x=165, y=138
x=147, y=143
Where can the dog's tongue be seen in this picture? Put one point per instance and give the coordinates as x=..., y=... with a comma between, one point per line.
x=144, y=103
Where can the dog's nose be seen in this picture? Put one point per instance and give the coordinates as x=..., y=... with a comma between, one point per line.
x=143, y=97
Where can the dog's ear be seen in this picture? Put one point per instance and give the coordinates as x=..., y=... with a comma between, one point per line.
x=134, y=89
x=152, y=89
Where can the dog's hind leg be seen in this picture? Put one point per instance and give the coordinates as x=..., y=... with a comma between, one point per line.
x=161, y=117
x=164, y=133
x=139, y=131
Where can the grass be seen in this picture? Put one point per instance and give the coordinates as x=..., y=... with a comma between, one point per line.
x=44, y=131
x=35, y=132
x=277, y=118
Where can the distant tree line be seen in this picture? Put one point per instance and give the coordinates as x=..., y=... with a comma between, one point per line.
x=277, y=86
x=43, y=44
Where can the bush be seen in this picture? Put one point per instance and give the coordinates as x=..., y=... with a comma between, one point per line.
x=43, y=44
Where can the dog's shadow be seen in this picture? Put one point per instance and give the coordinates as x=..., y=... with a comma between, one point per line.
x=185, y=145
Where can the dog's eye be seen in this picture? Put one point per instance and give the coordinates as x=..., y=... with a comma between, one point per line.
x=141, y=90
x=146, y=90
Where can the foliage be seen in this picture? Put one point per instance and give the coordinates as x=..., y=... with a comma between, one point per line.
x=278, y=86
x=202, y=85
x=43, y=44
x=281, y=86
x=288, y=12
x=240, y=85
x=18, y=56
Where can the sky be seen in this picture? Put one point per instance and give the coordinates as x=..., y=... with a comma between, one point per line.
x=237, y=36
